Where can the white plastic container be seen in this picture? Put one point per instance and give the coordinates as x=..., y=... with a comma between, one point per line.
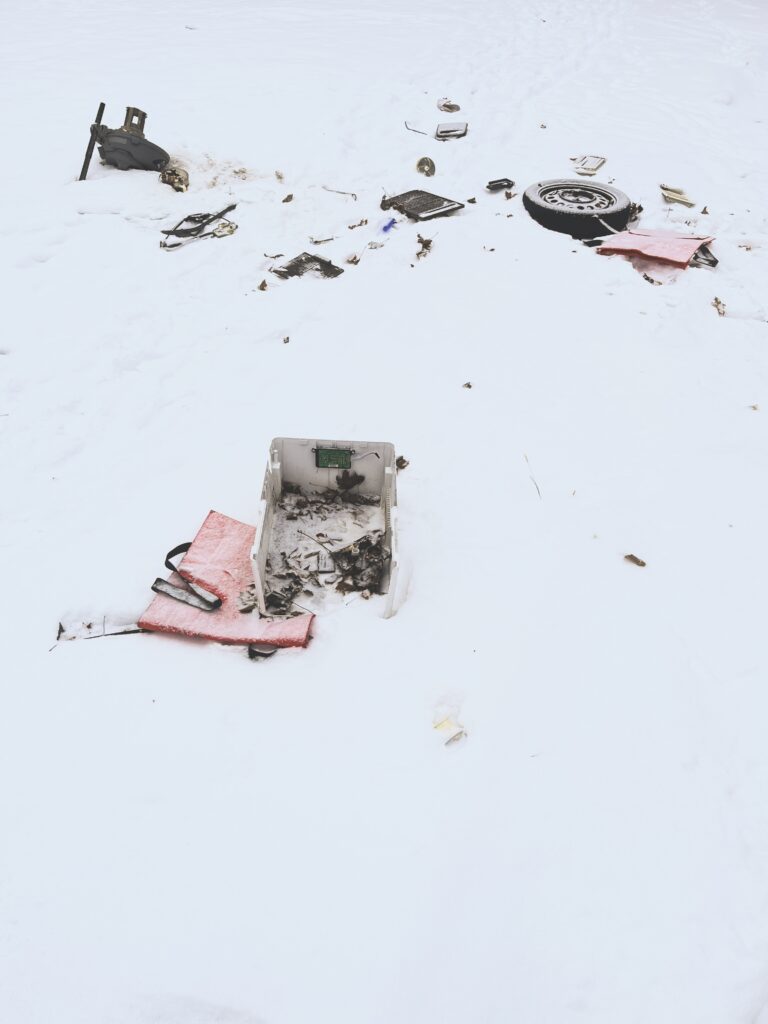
x=314, y=465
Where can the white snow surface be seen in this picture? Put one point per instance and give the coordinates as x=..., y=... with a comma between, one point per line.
x=187, y=837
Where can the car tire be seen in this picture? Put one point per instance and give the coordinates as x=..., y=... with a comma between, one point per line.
x=578, y=208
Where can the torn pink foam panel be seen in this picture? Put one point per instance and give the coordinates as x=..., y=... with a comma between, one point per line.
x=219, y=560
x=666, y=247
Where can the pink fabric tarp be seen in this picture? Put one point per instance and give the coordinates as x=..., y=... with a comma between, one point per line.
x=665, y=247
x=219, y=560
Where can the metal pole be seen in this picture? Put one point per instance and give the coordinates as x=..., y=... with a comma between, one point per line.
x=91, y=143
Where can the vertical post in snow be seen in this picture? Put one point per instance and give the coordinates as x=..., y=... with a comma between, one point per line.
x=91, y=143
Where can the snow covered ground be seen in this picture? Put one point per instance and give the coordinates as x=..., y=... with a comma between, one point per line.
x=187, y=837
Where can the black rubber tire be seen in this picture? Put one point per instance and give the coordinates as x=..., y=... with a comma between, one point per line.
x=555, y=205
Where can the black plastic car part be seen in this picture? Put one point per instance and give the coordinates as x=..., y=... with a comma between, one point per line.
x=578, y=208
x=420, y=205
x=127, y=148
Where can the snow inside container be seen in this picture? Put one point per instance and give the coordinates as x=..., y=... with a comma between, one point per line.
x=328, y=518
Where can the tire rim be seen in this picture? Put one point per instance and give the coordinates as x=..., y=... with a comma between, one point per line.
x=577, y=197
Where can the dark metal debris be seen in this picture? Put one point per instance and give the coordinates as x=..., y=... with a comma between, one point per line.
x=193, y=227
x=305, y=263
x=420, y=205
x=454, y=130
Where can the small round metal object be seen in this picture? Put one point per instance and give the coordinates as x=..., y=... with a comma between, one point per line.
x=426, y=166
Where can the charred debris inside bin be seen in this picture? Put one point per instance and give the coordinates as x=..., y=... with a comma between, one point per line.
x=327, y=525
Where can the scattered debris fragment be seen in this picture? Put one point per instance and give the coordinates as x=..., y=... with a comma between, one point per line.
x=305, y=263
x=676, y=195
x=353, y=260
x=288, y=198
x=417, y=130
x=650, y=280
x=259, y=652
x=263, y=286
x=286, y=339
x=472, y=200
x=453, y=130
x=704, y=211
x=346, y=480
x=719, y=306
x=635, y=560
x=196, y=225
x=104, y=626
x=425, y=246
x=401, y=462
x=587, y=165
x=176, y=177
x=510, y=195
x=125, y=148
x=426, y=166
x=338, y=193
x=361, y=565
x=467, y=385
x=450, y=729
x=322, y=241
x=419, y=205
x=532, y=478
x=360, y=224
x=448, y=106
x=276, y=256
x=279, y=175
x=497, y=184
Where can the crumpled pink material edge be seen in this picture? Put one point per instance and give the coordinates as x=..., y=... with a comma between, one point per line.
x=219, y=560
x=665, y=247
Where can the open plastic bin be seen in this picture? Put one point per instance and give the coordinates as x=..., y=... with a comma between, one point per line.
x=316, y=466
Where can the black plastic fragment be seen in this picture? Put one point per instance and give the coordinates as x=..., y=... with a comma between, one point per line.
x=704, y=257
x=454, y=130
x=258, y=652
x=420, y=205
x=500, y=183
x=127, y=147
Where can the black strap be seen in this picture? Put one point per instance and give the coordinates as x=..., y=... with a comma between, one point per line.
x=161, y=586
x=180, y=549
x=188, y=593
